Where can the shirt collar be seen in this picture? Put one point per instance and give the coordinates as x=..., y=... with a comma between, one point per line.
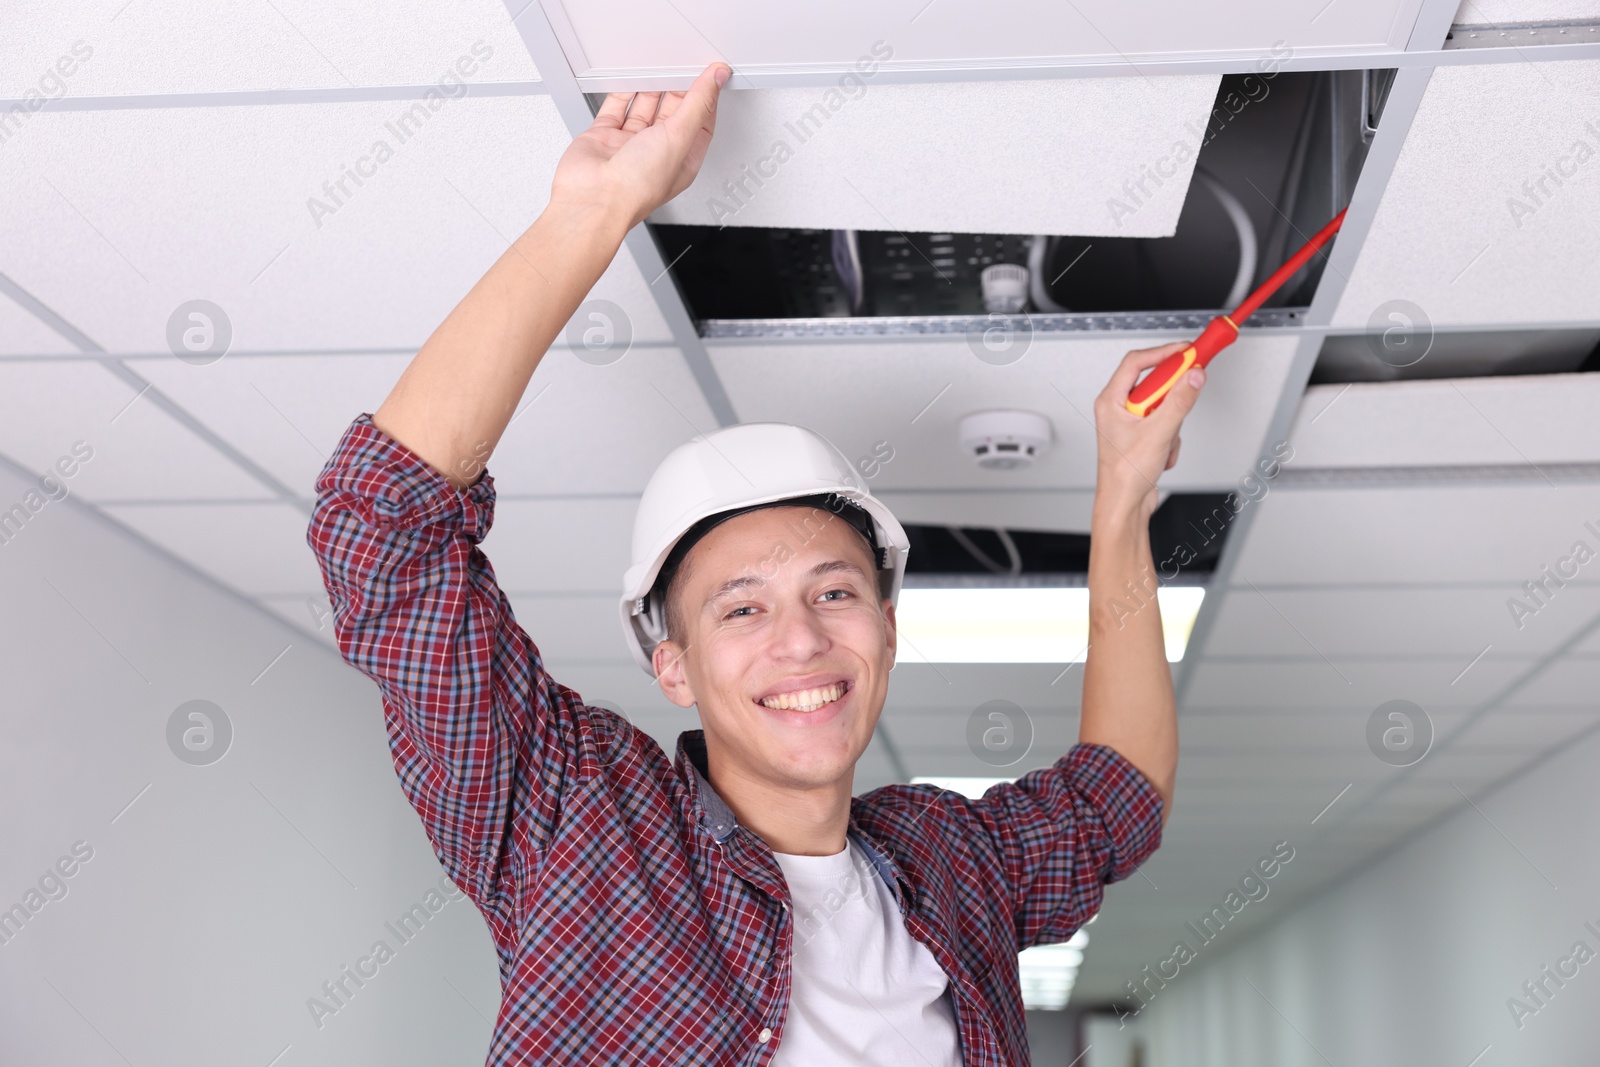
x=719, y=817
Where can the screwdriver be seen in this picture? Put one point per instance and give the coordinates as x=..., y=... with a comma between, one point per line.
x=1221, y=331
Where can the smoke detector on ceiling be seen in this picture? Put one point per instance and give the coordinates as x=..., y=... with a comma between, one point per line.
x=1005, y=440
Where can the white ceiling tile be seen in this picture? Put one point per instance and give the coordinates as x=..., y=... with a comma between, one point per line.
x=1387, y=621
x=625, y=285
x=1470, y=770
x=573, y=629
x=909, y=397
x=1529, y=728
x=617, y=36
x=113, y=47
x=23, y=334
x=1420, y=533
x=254, y=548
x=1018, y=510
x=113, y=219
x=562, y=545
x=286, y=413
x=47, y=407
x=586, y=429
x=1573, y=679
x=1334, y=733
x=1532, y=419
x=989, y=157
x=1300, y=771
x=920, y=688
x=619, y=684
x=1310, y=683
x=1449, y=235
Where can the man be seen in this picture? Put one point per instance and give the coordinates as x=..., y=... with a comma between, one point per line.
x=735, y=906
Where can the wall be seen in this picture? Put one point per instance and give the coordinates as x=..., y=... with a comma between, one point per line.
x=1413, y=960
x=216, y=898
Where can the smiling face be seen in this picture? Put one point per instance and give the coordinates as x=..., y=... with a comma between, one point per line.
x=784, y=644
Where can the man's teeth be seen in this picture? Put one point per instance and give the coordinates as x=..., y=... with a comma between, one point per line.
x=805, y=699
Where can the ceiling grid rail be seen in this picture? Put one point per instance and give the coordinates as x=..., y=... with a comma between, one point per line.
x=1405, y=98
x=531, y=23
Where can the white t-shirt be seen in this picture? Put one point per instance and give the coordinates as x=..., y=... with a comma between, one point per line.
x=864, y=990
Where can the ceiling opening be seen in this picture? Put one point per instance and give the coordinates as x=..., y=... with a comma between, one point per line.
x=1279, y=157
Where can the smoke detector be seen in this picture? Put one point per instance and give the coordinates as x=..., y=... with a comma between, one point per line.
x=1005, y=440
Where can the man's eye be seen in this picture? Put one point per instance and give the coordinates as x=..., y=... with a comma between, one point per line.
x=837, y=593
x=736, y=611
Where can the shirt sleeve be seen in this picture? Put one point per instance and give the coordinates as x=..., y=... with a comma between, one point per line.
x=479, y=733
x=1062, y=833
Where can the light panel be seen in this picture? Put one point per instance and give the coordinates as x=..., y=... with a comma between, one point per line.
x=969, y=787
x=1048, y=972
x=1029, y=625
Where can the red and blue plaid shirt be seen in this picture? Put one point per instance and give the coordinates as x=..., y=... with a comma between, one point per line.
x=635, y=920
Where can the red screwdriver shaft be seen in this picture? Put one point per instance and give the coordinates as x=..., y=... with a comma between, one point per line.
x=1221, y=331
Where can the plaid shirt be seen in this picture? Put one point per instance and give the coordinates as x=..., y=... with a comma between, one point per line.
x=634, y=919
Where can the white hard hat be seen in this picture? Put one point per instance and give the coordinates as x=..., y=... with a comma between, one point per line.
x=732, y=470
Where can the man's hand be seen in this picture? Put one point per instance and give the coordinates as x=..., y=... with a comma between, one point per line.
x=456, y=398
x=1134, y=449
x=643, y=149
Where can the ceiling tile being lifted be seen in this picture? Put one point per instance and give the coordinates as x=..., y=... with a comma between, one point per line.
x=634, y=43
x=1093, y=157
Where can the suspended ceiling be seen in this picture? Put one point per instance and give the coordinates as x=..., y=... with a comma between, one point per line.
x=150, y=182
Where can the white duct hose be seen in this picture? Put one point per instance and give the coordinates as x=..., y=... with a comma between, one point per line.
x=1039, y=292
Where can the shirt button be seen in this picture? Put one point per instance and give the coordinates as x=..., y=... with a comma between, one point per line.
x=765, y=1035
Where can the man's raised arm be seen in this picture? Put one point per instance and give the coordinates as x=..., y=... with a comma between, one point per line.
x=1128, y=702
x=482, y=738
x=457, y=396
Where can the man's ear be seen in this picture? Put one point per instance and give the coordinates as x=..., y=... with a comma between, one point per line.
x=893, y=630
x=667, y=662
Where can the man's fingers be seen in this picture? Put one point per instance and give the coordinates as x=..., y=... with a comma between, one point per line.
x=696, y=113
x=1126, y=375
x=643, y=112
x=669, y=103
x=611, y=112
x=1181, y=398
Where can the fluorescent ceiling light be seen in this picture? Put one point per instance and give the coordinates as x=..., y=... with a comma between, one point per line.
x=1048, y=972
x=967, y=787
x=1039, y=624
